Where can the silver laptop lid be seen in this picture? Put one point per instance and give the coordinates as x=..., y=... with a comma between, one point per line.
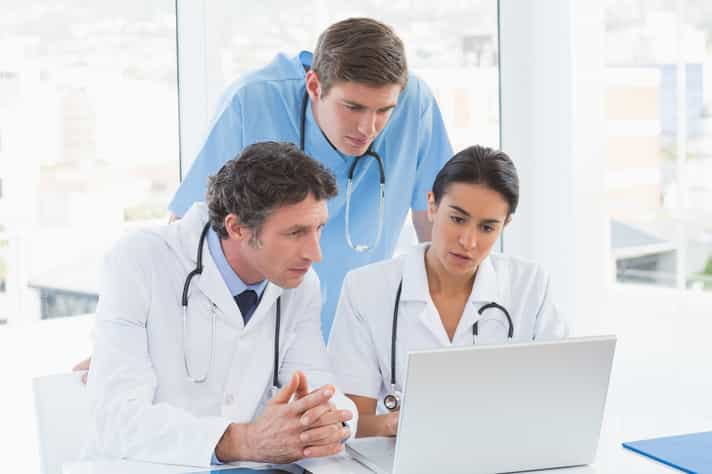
x=504, y=408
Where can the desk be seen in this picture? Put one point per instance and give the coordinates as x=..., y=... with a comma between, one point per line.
x=645, y=400
x=659, y=385
x=336, y=465
x=635, y=394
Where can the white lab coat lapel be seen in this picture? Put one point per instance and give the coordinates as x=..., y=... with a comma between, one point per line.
x=185, y=238
x=213, y=286
x=266, y=310
x=415, y=296
x=248, y=379
x=255, y=352
x=485, y=290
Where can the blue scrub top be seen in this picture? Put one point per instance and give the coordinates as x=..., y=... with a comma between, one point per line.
x=266, y=105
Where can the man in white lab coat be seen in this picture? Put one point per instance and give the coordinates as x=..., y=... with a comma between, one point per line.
x=186, y=370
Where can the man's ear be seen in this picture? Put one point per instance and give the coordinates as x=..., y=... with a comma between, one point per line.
x=235, y=229
x=313, y=85
x=508, y=220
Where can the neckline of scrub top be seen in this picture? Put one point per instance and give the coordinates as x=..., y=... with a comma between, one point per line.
x=415, y=279
x=318, y=146
x=315, y=142
x=315, y=137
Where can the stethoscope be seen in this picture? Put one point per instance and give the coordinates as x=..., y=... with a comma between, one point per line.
x=184, y=302
x=349, y=182
x=393, y=399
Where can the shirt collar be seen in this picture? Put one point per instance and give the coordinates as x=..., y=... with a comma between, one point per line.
x=415, y=279
x=305, y=57
x=233, y=282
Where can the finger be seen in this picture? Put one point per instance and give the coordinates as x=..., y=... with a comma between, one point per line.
x=85, y=376
x=313, y=414
x=315, y=398
x=325, y=435
x=83, y=365
x=285, y=393
x=332, y=417
x=322, y=451
x=303, y=388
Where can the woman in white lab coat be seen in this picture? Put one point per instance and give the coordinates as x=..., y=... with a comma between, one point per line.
x=450, y=292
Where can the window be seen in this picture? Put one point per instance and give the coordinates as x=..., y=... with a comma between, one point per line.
x=659, y=147
x=453, y=47
x=88, y=107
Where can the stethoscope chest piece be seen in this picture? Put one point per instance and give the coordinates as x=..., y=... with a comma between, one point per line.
x=392, y=401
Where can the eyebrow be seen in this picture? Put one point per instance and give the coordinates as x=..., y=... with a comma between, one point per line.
x=302, y=227
x=483, y=221
x=356, y=104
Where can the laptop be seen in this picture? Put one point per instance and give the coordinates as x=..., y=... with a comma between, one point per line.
x=498, y=408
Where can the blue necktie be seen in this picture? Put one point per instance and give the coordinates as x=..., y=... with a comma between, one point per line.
x=246, y=301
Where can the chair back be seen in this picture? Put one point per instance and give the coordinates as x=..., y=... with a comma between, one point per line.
x=62, y=408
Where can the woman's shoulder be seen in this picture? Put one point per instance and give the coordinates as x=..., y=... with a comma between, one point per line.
x=517, y=268
x=377, y=272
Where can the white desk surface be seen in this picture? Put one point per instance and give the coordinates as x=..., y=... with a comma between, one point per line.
x=660, y=386
x=642, y=403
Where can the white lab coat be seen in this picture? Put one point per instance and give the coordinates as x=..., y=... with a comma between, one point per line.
x=360, y=341
x=144, y=406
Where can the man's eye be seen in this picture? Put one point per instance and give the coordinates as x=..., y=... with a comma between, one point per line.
x=457, y=219
x=487, y=228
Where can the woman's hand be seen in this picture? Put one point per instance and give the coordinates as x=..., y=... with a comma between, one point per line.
x=390, y=423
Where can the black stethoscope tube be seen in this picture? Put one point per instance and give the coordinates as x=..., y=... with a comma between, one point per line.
x=352, y=169
x=392, y=400
x=184, y=302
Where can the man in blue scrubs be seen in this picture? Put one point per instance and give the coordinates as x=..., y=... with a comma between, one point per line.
x=358, y=94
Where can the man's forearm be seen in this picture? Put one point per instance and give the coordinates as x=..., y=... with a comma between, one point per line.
x=234, y=444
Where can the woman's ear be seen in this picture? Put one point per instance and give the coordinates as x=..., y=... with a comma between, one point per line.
x=432, y=207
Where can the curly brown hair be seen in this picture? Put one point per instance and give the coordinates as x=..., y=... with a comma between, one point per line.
x=265, y=176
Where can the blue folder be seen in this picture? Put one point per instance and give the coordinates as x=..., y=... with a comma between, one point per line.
x=689, y=453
